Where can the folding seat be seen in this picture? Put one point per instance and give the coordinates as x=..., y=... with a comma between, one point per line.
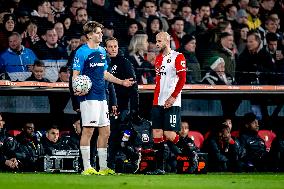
x=197, y=137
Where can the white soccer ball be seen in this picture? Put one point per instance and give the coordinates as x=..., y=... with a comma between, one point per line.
x=82, y=84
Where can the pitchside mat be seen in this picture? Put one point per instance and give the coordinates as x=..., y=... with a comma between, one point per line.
x=126, y=181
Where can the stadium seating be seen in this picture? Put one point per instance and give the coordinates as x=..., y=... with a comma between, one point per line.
x=197, y=137
x=268, y=136
x=235, y=134
x=14, y=132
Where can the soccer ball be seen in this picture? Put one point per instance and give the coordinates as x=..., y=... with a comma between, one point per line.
x=82, y=84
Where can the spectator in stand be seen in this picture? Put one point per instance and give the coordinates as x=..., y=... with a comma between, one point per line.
x=241, y=37
x=176, y=32
x=58, y=9
x=188, y=16
x=255, y=63
x=224, y=49
x=98, y=12
x=84, y=4
x=49, y=49
x=17, y=58
x=265, y=9
x=67, y=23
x=133, y=27
x=71, y=12
x=30, y=35
x=276, y=50
x=108, y=30
x=137, y=49
x=165, y=10
x=150, y=8
x=271, y=26
x=203, y=20
x=120, y=17
x=207, y=41
x=42, y=15
x=73, y=43
x=253, y=147
x=154, y=26
x=231, y=13
x=23, y=18
x=58, y=101
x=241, y=18
x=223, y=151
x=243, y=4
x=81, y=18
x=254, y=23
x=62, y=39
x=8, y=26
x=38, y=72
x=188, y=45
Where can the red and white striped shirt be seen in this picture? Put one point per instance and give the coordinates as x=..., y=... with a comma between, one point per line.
x=170, y=77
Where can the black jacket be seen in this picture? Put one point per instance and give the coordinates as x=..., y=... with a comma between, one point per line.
x=255, y=68
x=61, y=144
x=222, y=156
x=25, y=151
x=253, y=150
x=123, y=69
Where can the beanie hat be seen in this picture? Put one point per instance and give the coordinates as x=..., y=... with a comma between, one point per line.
x=253, y=3
x=187, y=38
x=242, y=13
x=215, y=60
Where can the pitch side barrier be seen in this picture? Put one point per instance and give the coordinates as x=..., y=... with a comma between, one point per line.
x=20, y=88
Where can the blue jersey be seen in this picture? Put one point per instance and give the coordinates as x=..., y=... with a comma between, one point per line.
x=92, y=62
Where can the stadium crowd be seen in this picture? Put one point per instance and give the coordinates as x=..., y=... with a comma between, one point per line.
x=224, y=42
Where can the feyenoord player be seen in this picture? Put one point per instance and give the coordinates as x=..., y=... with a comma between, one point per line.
x=170, y=78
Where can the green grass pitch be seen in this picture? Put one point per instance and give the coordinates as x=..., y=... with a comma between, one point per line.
x=125, y=181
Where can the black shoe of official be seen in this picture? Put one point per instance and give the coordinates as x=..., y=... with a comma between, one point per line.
x=156, y=172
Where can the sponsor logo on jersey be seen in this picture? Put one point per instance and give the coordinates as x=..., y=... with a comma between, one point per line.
x=102, y=57
x=96, y=64
x=161, y=71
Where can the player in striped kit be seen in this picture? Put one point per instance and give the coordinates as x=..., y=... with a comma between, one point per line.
x=170, y=69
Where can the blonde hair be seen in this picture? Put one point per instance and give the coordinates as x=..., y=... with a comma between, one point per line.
x=137, y=43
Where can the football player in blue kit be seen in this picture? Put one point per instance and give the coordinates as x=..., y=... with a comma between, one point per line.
x=90, y=60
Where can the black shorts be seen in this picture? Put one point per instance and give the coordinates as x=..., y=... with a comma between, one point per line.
x=166, y=119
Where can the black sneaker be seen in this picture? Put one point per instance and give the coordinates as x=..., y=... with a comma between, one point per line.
x=156, y=172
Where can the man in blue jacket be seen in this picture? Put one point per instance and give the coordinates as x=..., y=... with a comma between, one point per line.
x=16, y=58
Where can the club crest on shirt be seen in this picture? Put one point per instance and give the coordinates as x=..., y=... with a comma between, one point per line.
x=182, y=63
x=102, y=57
